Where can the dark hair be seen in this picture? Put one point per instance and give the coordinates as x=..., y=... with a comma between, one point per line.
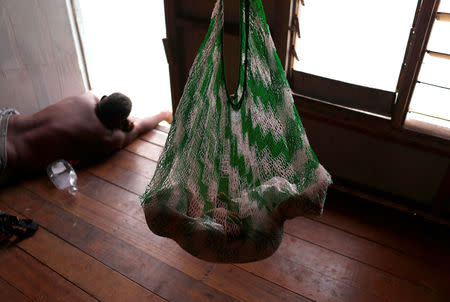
x=112, y=110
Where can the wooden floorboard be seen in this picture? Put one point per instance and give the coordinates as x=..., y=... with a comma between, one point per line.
x=377, y=286
x=104, y=197
x=343, y=271
x=35, y=280
x=245, y=286
x=122, y=177
x=265, y=289
x=391, y=237
x=407, y=234
x=145, y=149
x=137, y=264
x=132, y=230
x=399, y=264
x=156, y=137
x=82, y=269
x=96, y=246
x=9, y=293
x=128, y=171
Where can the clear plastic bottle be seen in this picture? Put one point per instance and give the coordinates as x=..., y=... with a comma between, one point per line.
x=63, y=176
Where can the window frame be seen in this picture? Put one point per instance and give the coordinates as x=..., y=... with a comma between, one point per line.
x=375, y=101
x=356, y=110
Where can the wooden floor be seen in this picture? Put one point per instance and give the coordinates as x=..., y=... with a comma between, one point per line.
x=96, y=246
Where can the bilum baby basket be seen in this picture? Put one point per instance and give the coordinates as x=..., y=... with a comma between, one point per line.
x=234, y=168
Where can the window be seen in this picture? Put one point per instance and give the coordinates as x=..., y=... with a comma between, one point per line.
x=431, y=98
x=354, y=41
x=366, y=56
x=123, y=50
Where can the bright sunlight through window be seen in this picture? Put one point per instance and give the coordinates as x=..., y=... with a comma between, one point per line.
x=364, y=42
x=431, y=99
x=122, y=41
x=355, y=41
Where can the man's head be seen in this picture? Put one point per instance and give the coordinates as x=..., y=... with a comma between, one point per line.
x=113, y=111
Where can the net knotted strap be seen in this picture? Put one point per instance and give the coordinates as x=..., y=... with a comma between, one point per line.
x=234, y=167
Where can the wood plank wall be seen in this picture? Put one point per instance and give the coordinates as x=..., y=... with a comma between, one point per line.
x=38, y=59
x=187, y=23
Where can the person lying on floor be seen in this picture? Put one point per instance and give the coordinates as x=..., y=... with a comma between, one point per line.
x=69, y=129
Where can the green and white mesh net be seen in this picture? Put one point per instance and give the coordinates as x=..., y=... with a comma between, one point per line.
x=234, y=168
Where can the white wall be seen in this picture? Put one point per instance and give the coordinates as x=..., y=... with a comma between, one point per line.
x=38, y=60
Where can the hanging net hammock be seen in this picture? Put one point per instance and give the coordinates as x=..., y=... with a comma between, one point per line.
x=234, y=167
